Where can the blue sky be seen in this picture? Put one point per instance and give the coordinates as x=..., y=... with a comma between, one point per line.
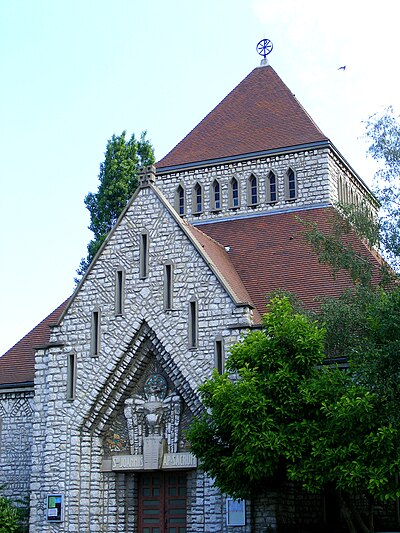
x=75, y=72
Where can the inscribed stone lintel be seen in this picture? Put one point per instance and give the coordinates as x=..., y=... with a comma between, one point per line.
x=170, y=461
x=179, y=460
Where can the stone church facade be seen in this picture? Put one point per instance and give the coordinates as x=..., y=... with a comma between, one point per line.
x=94, y=402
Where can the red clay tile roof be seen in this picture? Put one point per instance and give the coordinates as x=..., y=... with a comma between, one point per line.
x=222, y=261
x=17, y=365
x=260, y=114
x=269, y=252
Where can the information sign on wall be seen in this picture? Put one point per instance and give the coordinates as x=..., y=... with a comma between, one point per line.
x=54, y=508
x=235, y=512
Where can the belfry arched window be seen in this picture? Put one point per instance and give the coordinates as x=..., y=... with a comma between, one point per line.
x=291, y=185
x=234, y=196
x=216, y=203
x=272, y=188
x=197, y=199
x=180, y=200
x=252, y=190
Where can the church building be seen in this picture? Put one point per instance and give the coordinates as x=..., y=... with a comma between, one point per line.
x=95, y=401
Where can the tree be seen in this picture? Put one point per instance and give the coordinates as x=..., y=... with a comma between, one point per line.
x=118, y=180
x=287, y=416
x=383, y=132
x=334, y=247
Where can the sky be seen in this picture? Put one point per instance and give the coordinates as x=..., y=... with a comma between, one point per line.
x=75, y=72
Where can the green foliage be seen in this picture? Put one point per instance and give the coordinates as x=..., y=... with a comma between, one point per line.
x=339, y=245
x=8, y=516
x=383, y=131
x=363, y=327
x=335, y=247
x=283, y=414
x=250, y=425
x=118, y=180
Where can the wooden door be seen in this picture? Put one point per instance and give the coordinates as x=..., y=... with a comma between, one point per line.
x=162, y=502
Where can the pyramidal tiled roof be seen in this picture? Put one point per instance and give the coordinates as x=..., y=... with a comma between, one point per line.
x=260, y=114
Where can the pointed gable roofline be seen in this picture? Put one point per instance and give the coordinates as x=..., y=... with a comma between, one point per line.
x=212, y=252
x=17, y=365
x=260, y=115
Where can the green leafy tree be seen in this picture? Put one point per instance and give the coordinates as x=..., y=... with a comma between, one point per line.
x=244, y=435
x=335, y=247
x=286, y=416
x=118, y=180
x=383, y=132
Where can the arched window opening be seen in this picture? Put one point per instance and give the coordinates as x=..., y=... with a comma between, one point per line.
x=198, y=199
x=216, y=196
x=180, y=200
x=272, y=191
x=253, y=190
x=291, y=185
x=234, y=194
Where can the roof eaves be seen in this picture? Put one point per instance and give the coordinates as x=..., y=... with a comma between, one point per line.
x=244, y=157
x=23, y=385
x=185, y=228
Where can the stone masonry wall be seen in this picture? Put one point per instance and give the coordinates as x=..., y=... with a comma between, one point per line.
x=15, y=442
x=346, y=188
x=322, y=178
x=68, y=449
x=310, y=168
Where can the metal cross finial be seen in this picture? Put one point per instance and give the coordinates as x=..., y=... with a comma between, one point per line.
x=264, y=47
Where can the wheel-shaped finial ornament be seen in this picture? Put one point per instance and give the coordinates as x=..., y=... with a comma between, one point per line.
x=264, y=47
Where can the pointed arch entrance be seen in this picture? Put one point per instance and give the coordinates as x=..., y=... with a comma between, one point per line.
x=135, y=433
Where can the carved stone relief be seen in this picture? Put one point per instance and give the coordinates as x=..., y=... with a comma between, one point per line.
x=148, y=433
x=154, y=413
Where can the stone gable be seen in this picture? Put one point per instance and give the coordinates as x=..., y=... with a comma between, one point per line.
x=80, y=433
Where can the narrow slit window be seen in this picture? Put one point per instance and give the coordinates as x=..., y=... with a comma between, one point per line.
x=193, y=319
x=71, y=376
x=219, y=356
x=234, y=193
x=95, y=348
x=180, y=200
x=119, y=292
x=340, y=189
x=144, y=256
x=168, y=286
x=272, y=189
x=198, y=198
x=291, y=185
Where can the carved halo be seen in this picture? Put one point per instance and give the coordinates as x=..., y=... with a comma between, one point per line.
x=155, y=387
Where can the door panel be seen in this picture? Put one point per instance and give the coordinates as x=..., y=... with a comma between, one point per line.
x=162, y=502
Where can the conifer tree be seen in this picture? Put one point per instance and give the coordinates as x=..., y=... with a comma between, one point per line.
x=118, y=179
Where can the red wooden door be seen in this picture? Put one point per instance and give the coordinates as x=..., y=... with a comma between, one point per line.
x=162, y=502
